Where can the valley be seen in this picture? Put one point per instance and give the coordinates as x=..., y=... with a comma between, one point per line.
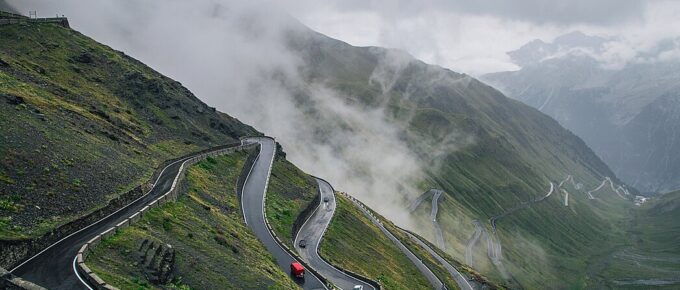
x=348, y=167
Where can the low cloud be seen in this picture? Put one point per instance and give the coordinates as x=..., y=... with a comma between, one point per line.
x=466, y=36
x=233, y=56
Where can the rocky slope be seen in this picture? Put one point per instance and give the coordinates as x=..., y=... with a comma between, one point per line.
x=82, y=123
x=628, y=113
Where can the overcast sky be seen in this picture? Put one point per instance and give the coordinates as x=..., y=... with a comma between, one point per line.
x=473, y=36
x=226, y=52
x=467, y=36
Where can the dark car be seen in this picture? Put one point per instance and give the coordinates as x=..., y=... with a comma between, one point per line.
x=302, y=243
x=325, y=199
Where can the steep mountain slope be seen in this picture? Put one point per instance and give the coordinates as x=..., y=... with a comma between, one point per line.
x=82, y=123
x=101, y=120
x=628, y=113
x=487, y=152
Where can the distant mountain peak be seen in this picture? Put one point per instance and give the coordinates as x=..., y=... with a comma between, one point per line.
x=572, y=43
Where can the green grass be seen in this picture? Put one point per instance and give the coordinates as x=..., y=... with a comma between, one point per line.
x=354, y=243
x=290, y=191
x=214, y=247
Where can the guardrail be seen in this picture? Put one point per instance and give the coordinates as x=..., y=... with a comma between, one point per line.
x=63, y=21
x=5, y=14
x=170, y=195
x=371, y=215
x=357, y=276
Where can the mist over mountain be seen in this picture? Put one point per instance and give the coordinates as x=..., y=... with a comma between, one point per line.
x=385, y=127
x=624, y=104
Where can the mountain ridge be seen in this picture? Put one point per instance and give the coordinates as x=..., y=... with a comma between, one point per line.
x=486, y=151
x=609, y=106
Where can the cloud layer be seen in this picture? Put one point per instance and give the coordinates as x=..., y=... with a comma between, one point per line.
x=233, y=56
x=473, y=36
x=467, y=36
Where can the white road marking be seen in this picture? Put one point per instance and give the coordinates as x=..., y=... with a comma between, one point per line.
x=78, y=275
x=78, y=231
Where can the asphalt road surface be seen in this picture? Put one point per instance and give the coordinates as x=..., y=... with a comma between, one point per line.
x=54, y=267
x=433, y=216
x=469, y=254
x=252, y=202
x=312, y=232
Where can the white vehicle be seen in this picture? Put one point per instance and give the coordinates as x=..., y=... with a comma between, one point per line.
x=358, y=287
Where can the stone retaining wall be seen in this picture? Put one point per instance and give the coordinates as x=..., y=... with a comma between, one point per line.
x=13, y=252
x=11, y=282
x=171, y=195
x=247, y=166
x=346, y=271
x=307, y=212
x=63, y=21
x=295, y=255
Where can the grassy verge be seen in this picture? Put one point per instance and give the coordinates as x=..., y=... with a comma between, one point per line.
x=290, y=192
x=429, y=260
x=214, y=248
x=353, y=242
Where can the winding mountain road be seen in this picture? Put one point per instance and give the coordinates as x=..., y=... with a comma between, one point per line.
x=414, y=205
x=620, y=190
x=312, y=232
x=566, y=196
x=439, y=235
x=577, y=186
x=435, y=194
x=462, y=282
x=55, y=267
x=434, y=281
x=252, y=202
x=469, y=255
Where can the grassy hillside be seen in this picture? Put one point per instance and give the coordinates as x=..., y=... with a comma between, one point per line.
x=487, y=152
x=83, y=123
x=650, y=256
x=290, y=191
x=206, y=229
x=354, y=243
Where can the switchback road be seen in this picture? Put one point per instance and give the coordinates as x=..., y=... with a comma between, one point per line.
x=252, y=202
x=54, y=267
x=462, y=282
x=312, y=232
x=436, y=283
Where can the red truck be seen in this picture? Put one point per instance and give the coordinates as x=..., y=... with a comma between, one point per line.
x=297, y=269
